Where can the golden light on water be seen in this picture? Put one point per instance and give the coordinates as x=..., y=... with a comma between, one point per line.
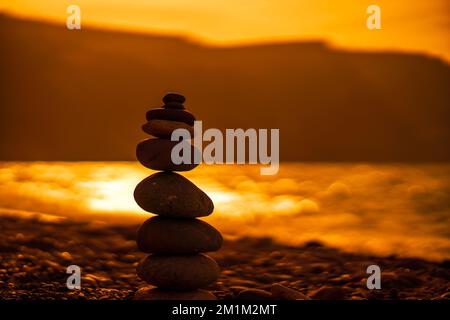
x=111, y=196
x=379, y=209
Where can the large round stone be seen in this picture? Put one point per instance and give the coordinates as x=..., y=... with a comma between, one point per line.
x=178, y=272
x=171, y=114
x=156, y=154
x=175, y=236
x=161, y=294
x=172, y=195
x=164, y=128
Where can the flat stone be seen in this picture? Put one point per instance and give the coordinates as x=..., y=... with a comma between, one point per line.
x=236, y=289
x=171, y=114
x=172, y=195
x=178, y=272
x=161, y=294
x=156, y=154
x=254, y=294
x=164, y=128
x=173, y=105
x=284, y=293
x=175, y=236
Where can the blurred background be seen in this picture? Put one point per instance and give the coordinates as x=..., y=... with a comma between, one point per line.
x=363, y=114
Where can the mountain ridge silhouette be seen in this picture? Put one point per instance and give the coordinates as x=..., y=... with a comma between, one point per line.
x=83, y=94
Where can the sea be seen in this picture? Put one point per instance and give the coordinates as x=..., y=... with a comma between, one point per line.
x=377, y=209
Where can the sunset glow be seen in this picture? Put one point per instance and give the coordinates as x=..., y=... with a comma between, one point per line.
x=224, y=150
x=417, y=26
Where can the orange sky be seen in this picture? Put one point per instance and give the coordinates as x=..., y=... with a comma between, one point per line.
x=411, y=25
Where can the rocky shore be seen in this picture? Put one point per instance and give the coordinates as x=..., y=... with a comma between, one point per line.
x=35, y=254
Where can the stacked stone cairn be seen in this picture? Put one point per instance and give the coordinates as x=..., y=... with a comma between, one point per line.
x=176, y=267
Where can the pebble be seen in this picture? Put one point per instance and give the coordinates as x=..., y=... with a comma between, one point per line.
x=236, y=289
x=345, y=278
x=178, y=272
x=164, y=128
x=318, y=267
x=284, y=293
x=172, y=195
x=264, y=277
x=244, y=283
x=399, y=280
x=66, y=255
x=357, y=298
x=254, y=294
x=156, y=154
x=175, y=236
x=161, y=294
x=328, y=293
x=171, y=114
x=445, y=296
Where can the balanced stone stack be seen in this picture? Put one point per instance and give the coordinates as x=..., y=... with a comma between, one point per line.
x=175, y=239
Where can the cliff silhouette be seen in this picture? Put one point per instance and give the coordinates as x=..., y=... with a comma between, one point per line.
x=82, y=95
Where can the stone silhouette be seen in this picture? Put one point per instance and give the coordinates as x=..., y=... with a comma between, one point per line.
x=175, y=239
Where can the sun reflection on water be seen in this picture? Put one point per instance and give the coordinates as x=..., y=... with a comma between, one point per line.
x=380, y=209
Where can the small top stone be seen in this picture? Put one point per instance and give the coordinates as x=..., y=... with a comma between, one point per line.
x=173, y=101
x=174, y=97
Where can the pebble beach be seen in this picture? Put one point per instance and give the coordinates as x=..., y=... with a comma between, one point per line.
x=35, y=253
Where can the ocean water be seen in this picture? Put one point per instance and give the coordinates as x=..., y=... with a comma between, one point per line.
x=380, y=209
